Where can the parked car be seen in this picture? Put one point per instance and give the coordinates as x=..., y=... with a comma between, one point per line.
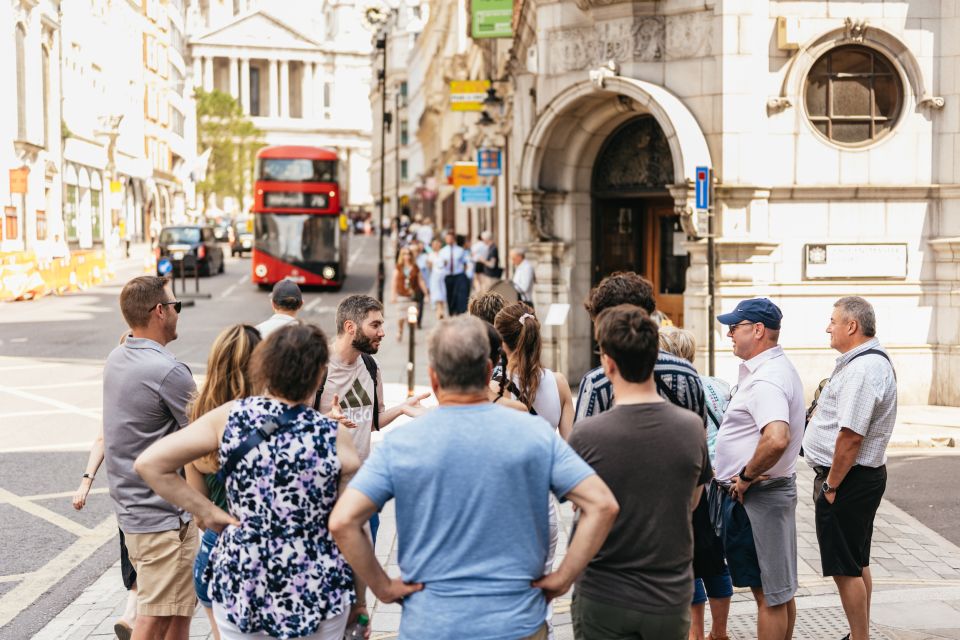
x=221, y=231
x=242, y=240
x=190, y=244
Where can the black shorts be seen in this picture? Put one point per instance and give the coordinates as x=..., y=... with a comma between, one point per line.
x=127, y=572
x=845, y=528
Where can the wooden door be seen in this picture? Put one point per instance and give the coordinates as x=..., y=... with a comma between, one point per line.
x=671, y=262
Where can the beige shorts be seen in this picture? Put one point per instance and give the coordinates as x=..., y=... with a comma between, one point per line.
x=164, y=564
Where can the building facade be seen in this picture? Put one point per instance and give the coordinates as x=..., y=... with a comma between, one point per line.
x=829, y=134
x=306, y=84
x=30, y=142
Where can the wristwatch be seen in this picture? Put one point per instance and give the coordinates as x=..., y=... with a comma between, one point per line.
x=87, y=475
x=743, y=475
x=826, y=488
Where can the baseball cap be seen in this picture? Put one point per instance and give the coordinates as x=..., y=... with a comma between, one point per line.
x=286, y=291
x=755, y=310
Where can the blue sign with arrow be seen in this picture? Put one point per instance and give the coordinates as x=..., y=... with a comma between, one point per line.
x=703, y=188
x=164, y=267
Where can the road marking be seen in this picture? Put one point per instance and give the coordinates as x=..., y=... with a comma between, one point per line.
x=30, y=366
x=48, y=412
x=60, y=385
x=68, y=446
x=18, y=339
x=15, y=577
x=226, y=292
x=34, y=586
x=52, y=517
x=62, y=494
x=89, y=413
x=353, y=257
x=243, y=279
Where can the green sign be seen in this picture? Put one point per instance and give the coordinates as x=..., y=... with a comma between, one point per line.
x=492, y=19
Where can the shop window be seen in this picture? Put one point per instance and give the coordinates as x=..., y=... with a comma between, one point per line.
x=10, y=225
x=70, y=203
x=41, y=225
x=853, y=95
x=96, y=215
x=403, y=170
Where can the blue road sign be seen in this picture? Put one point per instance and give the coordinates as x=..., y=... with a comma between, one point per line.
x=476, y=196
x=164, y=267
x=703, y=188
x=489, y=162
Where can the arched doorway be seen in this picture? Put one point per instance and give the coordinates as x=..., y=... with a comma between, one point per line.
x=634, y=223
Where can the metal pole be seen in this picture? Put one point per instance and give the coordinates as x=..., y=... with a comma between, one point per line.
x=711, y=289
x=396, y=171
x=381, y=272
x=411, y=353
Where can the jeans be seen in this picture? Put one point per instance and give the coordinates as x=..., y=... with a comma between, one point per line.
x=207, y=543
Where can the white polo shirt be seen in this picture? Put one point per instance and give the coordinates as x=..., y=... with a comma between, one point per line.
x=769, y=389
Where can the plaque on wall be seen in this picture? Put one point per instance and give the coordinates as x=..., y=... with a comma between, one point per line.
x=881, y=261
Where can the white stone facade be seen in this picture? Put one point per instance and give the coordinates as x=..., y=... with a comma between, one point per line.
x=728, y=92
x=301, y=72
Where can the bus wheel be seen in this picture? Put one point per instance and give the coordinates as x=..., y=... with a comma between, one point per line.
x=263, y=286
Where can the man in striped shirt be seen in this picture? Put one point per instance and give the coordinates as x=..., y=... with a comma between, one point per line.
x=677, y=381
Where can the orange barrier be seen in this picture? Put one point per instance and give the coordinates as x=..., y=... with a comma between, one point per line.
x=25, y=276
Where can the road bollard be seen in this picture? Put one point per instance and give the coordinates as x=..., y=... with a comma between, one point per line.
x=411, y=354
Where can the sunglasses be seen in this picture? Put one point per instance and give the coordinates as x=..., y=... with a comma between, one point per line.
x=177, y=305
x=733, y=327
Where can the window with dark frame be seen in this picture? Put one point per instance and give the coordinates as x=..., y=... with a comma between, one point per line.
x=853, y=95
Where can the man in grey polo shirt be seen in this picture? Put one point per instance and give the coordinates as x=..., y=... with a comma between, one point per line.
x=846, y=444
x=145, y=396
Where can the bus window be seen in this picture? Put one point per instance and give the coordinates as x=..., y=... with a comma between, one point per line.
x=296, y=170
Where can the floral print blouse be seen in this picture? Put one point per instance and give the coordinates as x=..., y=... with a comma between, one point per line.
x=280, y=571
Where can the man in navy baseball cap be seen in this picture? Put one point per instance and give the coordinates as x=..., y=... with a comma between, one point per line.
x=754, y=310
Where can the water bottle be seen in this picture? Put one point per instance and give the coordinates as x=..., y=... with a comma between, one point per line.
x=358, y=630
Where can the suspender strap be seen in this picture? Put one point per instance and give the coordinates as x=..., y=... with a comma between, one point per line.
x=254, y=438
x=371, y=366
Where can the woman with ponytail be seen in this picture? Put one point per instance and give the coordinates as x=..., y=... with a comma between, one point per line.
x=544, y=392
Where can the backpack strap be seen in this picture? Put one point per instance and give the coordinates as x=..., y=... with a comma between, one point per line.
x=510, y=385
x=371, y=364
x=254, y=438
x=876, y=352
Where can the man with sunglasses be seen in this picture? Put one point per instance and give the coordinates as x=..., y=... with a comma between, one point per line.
x=757, y=448
x=146, y=391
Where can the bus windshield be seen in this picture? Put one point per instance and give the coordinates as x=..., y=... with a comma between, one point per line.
x=296, y=170
x=299, y=239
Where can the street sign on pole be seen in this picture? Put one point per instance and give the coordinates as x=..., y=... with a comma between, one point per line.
x=164, y=267
x=489, y=162
x=703, y=188
x=476, y=196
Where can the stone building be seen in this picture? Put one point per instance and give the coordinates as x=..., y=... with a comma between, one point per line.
x=301, y=71
x=30, y=144
x=832, y=131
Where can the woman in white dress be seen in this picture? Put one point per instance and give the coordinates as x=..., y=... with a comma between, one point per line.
x=438, y=288
x=544, y=392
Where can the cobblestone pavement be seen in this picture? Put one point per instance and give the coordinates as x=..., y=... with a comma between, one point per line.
x=916, y=588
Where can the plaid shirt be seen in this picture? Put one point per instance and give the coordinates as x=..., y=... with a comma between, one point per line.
x=861, y=396
x=677, y=382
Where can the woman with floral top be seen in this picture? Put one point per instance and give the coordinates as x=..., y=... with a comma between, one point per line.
x=275, y=570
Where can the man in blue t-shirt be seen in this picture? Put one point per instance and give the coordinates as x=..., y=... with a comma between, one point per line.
x=471, y=483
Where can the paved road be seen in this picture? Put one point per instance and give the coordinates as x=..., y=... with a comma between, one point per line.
x=924, y=484
x=50, y=394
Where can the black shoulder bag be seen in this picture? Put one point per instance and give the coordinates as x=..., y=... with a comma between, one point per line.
x=254, y=438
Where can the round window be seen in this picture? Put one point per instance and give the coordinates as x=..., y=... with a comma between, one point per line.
x=854, y=95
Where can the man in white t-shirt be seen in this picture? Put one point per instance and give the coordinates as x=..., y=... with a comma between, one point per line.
x=286, y=300
x=523, y=276
x=757, y=447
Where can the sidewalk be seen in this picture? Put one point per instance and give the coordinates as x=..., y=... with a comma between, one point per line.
x=916, y=572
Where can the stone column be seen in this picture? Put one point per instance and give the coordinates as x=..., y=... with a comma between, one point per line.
x=284, y=89
x=317, y=82
x=551, y=288
x=234, y=79
x=306, y=90
x=208, y=73
x=245, y=85
x=274, y=90
x=198, y=72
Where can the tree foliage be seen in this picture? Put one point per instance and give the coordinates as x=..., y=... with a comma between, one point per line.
x=233, y=141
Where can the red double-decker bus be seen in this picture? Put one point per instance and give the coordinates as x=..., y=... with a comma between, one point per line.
x=298, y=232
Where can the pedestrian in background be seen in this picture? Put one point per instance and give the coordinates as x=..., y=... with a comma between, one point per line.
x=653, y=456
x=479, y=251
x=228, y=378
x=471, y=482
x=845, y=443
x=437, y=281
x=523, y=275
x=486, y=305
x=492, y=271
x=286, y=299
x=407, y=283
x=275, y=570
x=455, y=265
x=423, y=263
x=146, y=391
x=711, y=574
x=757, y=449
x=677, y=381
